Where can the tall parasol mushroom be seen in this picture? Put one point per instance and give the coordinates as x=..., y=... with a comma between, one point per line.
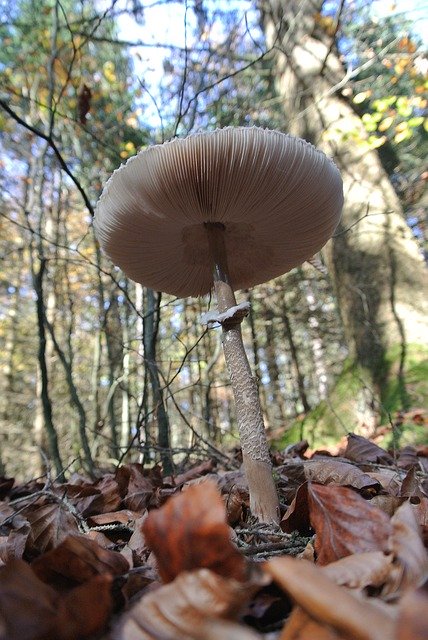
x=231, y=208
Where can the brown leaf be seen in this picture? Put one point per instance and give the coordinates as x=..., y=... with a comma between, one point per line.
x=360, y=449
x=17, y=529
x=88, y=607
x=124, y=516
x=50, y=525
x=136, y=488
x=331, y=471
x=90, y=498
x=360, y=570
x=292, y=476
x=237, y=502
x=184, y=608
x=296, y=518
x=412, y=621
x=389, y=479
x=78, y=559
x=327, y=603
x=207, y=466
x=408, y=458
x=28, y=608
x=411, y=488
x=345, y=523
x=410, y=556
x=32, y=610
x=84, y=103
x=300, y=626
x=137, y=542
x=190, y=532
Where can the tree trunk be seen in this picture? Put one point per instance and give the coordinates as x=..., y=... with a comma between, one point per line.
x=288, y=332
x=151, y=322
x=277, y=408
x=378, y=273
x=44, y=378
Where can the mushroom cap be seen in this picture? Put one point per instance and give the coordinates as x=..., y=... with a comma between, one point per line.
x=278, y=197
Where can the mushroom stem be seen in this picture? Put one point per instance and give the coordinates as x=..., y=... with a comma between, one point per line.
x=257, y=465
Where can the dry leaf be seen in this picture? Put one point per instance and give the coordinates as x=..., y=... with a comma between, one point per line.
x=331, y=471
x=124, y=516
x=135, y=486
x=360, y=449
x=408, y=458
x=300, y=626
x=17, y=528
x=50, y=525
x=78, y=559
x=190, y=532
x=412, y=621
x=28, y=607
x=360, y=570
x=199, y=470
x=337, y=514
x=410, y=556
x=296, y=518
x=183, y=608
x=32, y=610
x=328, y=603
x=411, y=487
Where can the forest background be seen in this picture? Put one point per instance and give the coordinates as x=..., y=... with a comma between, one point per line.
x=96, y=369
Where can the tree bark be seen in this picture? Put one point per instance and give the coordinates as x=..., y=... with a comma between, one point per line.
x=151, y=322
x=44, y=378
x=378, y=273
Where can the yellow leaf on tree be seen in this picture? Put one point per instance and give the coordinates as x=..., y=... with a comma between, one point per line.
x=360, y=97
x=402, y=135
x=386, y=123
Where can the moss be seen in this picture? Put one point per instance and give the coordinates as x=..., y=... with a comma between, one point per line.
x=344, y=410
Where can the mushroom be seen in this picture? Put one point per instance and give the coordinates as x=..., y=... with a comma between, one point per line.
x=231, y=208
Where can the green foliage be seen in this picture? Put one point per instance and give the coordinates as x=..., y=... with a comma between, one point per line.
x=333, y=418
x=390, y=91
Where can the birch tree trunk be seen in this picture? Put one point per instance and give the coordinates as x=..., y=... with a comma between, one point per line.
x=378, y=273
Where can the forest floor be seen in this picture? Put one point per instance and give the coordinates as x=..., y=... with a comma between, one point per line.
x=136, y=556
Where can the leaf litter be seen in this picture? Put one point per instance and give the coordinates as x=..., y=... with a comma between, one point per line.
x=138, y=556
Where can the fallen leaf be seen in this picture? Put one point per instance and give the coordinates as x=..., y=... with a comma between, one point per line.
x=389, y=479
x=296, y=518
x=93, y=498
x=337, y=514
x=360, y=570
x=410, y=556
x=124, y=516
x=28, y=608
x=136, y=488
x=32, y=610
x=412, y=621
x=78, y=559
x=17, y=529
x=88, y=607
x=292, y=476
x=190, y=532
x=360, y=449
x=183, y=609
x=331, y=471
x=327, y=603
x=237, y=503
x=300, y=626
x=411, y=488
x=207, y=466
x=407, y=458
x=50, y=525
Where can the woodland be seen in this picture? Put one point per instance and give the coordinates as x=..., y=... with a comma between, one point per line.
x=124, y=508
